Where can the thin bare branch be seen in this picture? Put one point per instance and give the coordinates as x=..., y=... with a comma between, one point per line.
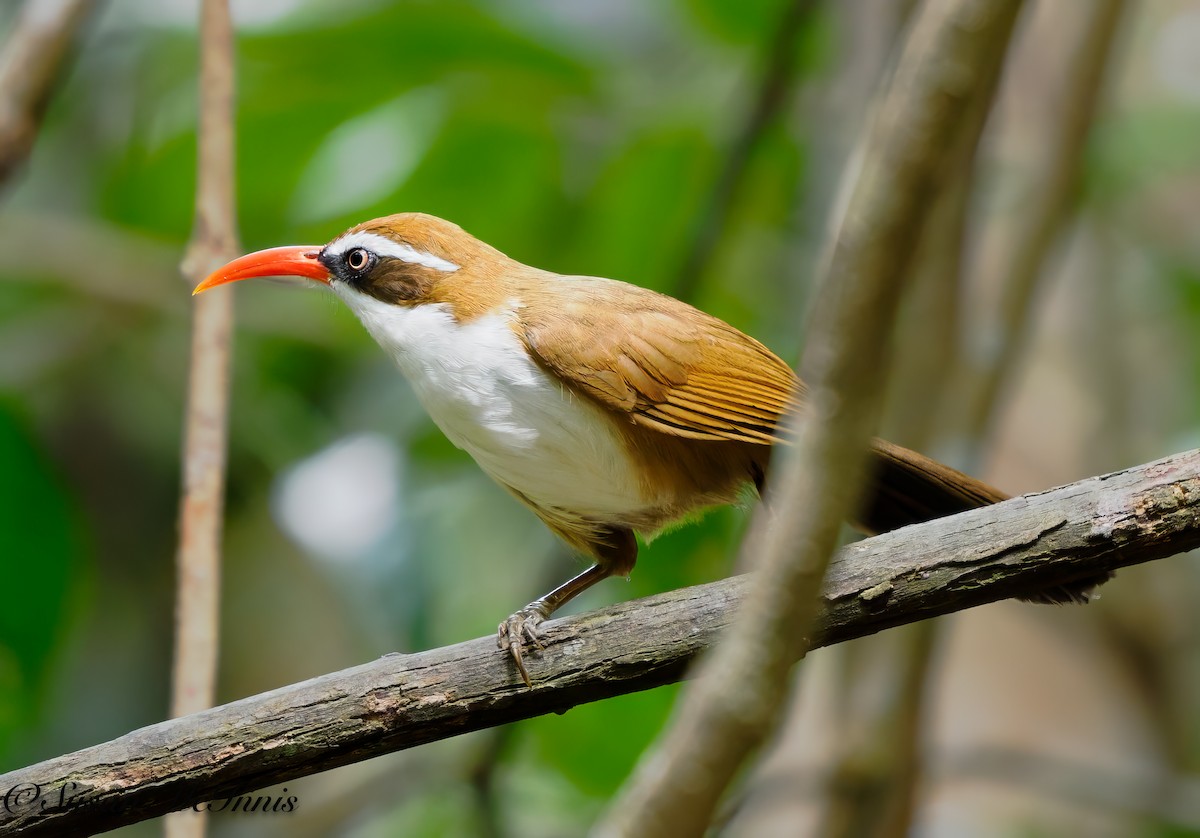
x=993, y=348
x=1132, y=792
x=400, y=701
x=30, y=65
x=774, y=87
x=214, y=240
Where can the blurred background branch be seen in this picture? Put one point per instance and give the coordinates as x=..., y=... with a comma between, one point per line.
x=214, y=241
x=991, y=349
x=1169, y=800
x=770, y=98
x=876, y=773
x=1161, y=797
x=31, y=62
x=946, y=62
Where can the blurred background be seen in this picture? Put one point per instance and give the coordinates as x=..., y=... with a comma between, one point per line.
x=692, y=146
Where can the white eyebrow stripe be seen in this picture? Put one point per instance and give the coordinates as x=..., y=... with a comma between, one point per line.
x=383, y=246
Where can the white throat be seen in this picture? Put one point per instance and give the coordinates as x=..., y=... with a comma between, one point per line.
x=525, y=429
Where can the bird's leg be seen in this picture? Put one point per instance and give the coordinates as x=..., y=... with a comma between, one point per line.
x=523, y=625
x=615, y=555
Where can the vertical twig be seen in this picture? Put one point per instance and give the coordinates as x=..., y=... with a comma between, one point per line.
x=30, y=64
x=733, y=704
x=993, y=349
x=773, y=88
x=482, y=772
x=214, y=240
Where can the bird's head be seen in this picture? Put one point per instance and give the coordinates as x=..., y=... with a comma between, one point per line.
x=405, y=259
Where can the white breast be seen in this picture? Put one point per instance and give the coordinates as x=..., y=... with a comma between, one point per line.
x=521, y=425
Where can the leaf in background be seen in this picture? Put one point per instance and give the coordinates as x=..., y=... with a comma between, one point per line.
x=483, y=71
x=1136, y=149
x=643, y=205
x=41, y=545
x=597, y=745
x=365, y=159
x=748, y=21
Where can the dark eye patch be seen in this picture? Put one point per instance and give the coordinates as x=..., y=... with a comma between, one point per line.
x=387, y=278
x=352, y=266
x=397, y=282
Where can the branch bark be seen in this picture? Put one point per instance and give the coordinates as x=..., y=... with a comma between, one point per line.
x=400, y=701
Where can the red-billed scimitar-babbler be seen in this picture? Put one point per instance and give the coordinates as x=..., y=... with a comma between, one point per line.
x=604, y=407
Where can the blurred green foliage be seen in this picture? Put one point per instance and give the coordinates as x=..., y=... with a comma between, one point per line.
x=582, y=137
x=579, y=137
x=42, y=574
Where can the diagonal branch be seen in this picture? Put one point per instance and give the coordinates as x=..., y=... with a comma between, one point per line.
x=774, y=88
x=400, y=701
x=30, y=64
x=740, y=692
x=876, y=768
x=994, y=347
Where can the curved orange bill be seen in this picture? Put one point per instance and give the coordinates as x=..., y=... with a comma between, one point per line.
x=275, y=261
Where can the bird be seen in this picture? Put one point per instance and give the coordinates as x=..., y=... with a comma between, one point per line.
x=606, y=408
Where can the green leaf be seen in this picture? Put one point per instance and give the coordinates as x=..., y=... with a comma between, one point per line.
x=42, y=544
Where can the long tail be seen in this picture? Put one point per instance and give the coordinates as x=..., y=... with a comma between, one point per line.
x=909, y=488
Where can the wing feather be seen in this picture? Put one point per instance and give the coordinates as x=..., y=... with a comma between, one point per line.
x=664, y=364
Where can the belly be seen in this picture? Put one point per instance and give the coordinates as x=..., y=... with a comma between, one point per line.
x=526, y=429
x=547, y=444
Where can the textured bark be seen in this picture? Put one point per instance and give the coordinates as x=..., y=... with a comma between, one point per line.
x=400, y=701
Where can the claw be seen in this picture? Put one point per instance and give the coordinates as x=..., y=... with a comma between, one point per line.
x=512, y=634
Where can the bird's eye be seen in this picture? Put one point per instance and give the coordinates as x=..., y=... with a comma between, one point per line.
x=357, y=259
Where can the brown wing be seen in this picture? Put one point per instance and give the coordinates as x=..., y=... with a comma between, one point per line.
x=666, y=365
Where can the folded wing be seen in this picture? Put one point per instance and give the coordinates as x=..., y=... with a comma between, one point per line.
x=664, y=364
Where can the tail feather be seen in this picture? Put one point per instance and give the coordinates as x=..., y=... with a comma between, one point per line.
x=909, y=488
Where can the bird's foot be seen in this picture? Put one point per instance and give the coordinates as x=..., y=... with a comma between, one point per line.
x=519, y=628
